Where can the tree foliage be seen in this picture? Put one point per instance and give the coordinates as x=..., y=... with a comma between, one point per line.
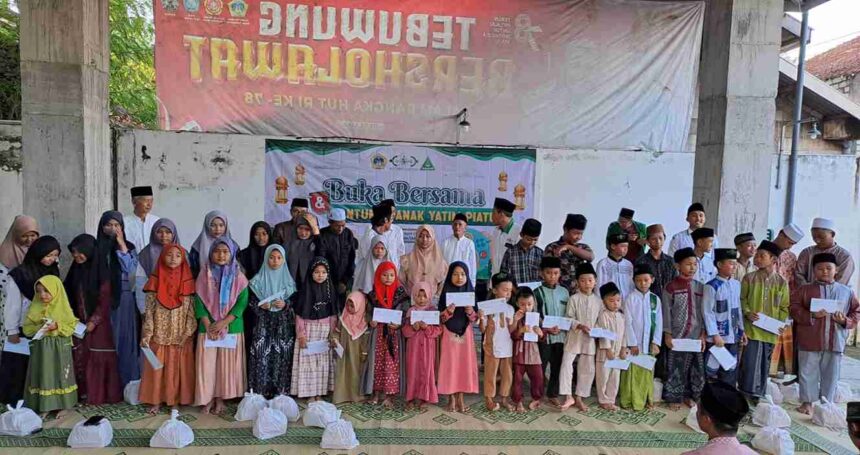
x=132, y=63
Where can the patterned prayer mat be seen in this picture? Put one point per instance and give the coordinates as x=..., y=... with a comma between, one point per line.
x=544, y=431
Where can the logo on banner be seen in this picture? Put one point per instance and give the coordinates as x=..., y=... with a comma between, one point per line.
x=319, y=202
x=238, y=8
x=378, y=161
x=214, y=7
x=428, y=165
x=192, y=6
x=404, y=160
x=525, y=31
x=170, y=5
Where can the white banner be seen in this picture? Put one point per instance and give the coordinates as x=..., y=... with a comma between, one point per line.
x=428, y=184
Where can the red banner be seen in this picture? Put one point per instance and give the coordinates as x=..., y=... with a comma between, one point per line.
x=527, y=70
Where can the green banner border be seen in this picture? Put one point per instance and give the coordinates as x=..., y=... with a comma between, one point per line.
x=325, y=148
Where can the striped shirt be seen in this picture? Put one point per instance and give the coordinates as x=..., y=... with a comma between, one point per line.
x=804, y=273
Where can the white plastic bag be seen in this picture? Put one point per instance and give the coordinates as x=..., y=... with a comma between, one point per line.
x=173, y=434
x=773, y=391
x=287, y=406
x=339, y=435
x=693, y=421
x=774, y=440
x=250, y=406
x=768, y=414
x=92, y=436
x=131, y=393
x=844, y=393
x=19, y=421
x=270, y=423
x=320, y=414
x=790, y=393
x=827, y=414
x=658, y=391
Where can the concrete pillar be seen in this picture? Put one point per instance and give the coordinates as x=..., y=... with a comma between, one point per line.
x=737, y=90
x=65, y=60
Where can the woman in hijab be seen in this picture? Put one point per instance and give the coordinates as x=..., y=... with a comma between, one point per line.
x=163, y=233
x=23, y=232
x=168, y=330
x=425, y=262
x=40, y=260
x=273, y=337
x=367, y=268
x=353, y=336
x=252, y=257
x=215, y=226
x=385, y=371
x=96, y=370
x=302, y=249
x=316, y=318
x=458, y=363
x=116, y=261
x=222, y=296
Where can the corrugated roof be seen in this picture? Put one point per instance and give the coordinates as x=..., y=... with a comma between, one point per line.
x=839, y=61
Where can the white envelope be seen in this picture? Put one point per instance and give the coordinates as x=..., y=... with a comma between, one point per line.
x=532, y=285
x=532, y=320
x=152, y=358
x=338, y=348
x=617, y=364
x=460, y=299
x=597, y=332
x=644, y=361
x=726, y=359
x=43, y=330
x=316, y=347
x=557, y=321
x=768, y=323
x=271, y=299
x=829, y=305
x=686, y=345
x=21, y=347
x=428, y=317
x=494, y=306
x=386, y=316
x=80, y=330
x=228, y=342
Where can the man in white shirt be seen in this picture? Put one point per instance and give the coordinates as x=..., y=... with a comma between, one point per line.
x=695, y=220
x=506, y=232
x=396, y=244
x=458, y=247
x=139, y=225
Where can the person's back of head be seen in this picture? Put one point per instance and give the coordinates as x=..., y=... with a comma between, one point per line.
x=721, y=409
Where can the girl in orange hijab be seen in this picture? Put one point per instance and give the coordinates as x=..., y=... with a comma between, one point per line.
x=168, y=327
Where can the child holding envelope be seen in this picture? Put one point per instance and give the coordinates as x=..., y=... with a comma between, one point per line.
x=385, y=361
x=421, y=350
x=498, y=346
x=821, y=335
x=458, y=364
x=765, y=292
x=612, y=320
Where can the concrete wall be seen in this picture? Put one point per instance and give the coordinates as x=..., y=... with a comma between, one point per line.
x=193, y=173
x=11, y=183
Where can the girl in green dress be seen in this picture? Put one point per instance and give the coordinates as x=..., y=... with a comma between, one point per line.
x=50, y=382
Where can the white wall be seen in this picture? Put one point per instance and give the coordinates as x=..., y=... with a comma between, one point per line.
x=598, y=184
x=193, y=173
